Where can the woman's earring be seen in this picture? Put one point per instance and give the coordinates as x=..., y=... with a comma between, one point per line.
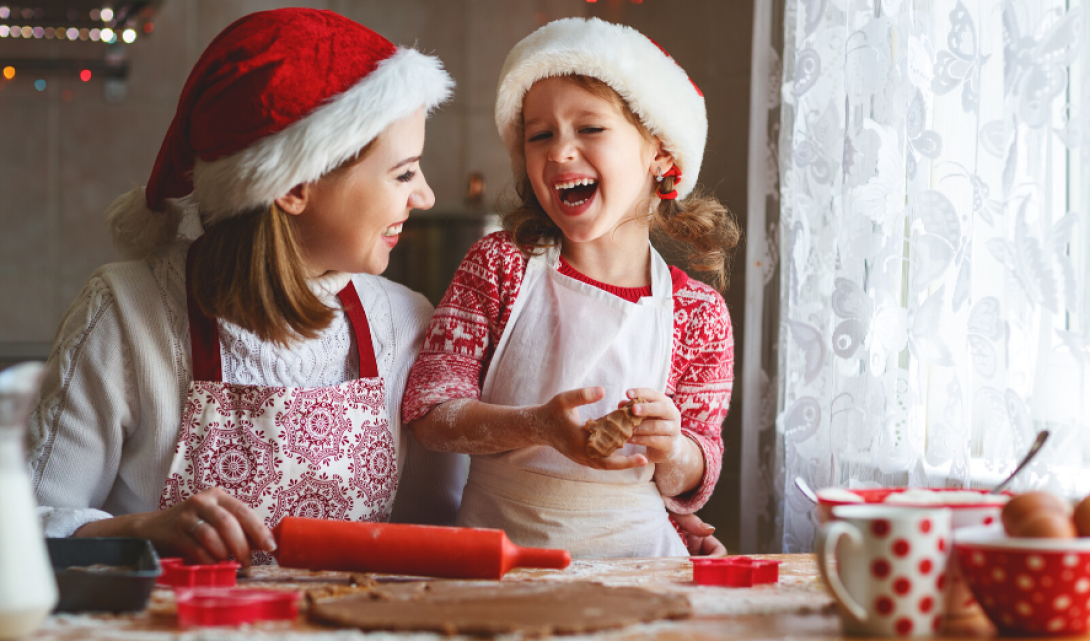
x=658, y=174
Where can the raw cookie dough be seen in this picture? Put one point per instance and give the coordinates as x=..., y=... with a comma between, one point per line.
x=609, y=433
x=489, y=608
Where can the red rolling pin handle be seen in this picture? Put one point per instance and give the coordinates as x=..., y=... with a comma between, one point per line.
x=421, y=550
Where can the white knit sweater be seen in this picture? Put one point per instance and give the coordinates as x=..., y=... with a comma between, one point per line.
x=101, y=438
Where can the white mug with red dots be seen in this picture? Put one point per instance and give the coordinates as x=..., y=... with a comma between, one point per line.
x=890, y=574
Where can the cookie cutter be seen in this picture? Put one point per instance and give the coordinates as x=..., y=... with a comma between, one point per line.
x=233, y=606
x=735, y=571
x=179, y=575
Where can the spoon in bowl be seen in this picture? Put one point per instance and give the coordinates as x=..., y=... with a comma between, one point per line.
x=1042, y=436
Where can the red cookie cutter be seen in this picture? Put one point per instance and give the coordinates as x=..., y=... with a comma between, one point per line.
x=735, y=571
x=177, y=574
x=231, y=606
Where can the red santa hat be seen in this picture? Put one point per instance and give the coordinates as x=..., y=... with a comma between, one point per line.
x=655, y=87
x=279, y=98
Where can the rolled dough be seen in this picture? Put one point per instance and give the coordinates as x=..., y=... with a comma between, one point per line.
x=609, y=433
x=488, y=608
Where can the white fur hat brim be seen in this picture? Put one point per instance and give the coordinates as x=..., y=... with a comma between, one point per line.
x=655, y=87
x=301, y=153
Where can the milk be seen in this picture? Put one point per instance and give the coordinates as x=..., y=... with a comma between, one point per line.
x=28, y=591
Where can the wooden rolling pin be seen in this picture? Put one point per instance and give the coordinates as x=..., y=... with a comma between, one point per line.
x=419, y=550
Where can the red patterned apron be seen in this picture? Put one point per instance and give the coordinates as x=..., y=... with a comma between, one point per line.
x=321, y=452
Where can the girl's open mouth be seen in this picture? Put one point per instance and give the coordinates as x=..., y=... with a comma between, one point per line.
x=576, y=193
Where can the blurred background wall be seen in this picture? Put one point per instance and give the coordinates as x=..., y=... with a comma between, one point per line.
x=68, y=147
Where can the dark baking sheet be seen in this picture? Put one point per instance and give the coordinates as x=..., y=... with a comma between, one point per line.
x=126, y=589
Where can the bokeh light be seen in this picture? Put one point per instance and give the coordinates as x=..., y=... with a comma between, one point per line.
x=85, y=75
x=94, y=34
x=129, y=35
x=40, y=84
x=27, y=32
x=4, y=31
x=38, y=32
x=149, y=27
x=4, y=13
x=84, y=34
x=73, y=33
x=94, y=14
x=66, y=95
x=108, y=36
x=107, y=14
x=9, y=72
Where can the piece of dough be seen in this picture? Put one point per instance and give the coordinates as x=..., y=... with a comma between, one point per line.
x=609, y=433
x=490, y=608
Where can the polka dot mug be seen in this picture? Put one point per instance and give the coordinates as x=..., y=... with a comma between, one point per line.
x=890, y=574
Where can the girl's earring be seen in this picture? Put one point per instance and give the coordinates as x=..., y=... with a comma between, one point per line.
x=658, y=174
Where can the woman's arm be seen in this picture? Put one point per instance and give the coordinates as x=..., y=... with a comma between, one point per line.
x=82, y=430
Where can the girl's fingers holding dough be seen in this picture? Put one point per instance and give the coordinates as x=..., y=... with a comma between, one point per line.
x=576, y=397
x=618, y=461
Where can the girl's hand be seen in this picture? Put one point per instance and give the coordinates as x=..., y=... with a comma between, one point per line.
x=558, y=425
x=206, y=528
x=660, y=431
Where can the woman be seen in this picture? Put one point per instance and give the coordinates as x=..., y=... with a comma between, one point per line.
x=202, y=391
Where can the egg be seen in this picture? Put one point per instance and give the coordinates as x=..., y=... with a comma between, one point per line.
x=1046, y=524
x=1082, y=517
x=1017, y=509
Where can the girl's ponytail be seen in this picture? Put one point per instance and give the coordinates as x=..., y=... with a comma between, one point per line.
x=702, y=229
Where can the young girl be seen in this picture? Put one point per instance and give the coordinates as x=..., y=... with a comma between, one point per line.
x=201, y=391
x=570, y=312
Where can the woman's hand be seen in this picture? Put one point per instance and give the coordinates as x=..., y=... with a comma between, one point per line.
x=557, y=424
x=207, y=527
x=698, y=535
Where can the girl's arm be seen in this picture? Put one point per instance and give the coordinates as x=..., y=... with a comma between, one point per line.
x=685, y=429
x=469, y=426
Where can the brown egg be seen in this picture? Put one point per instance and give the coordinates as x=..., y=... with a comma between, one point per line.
x=1082, y=517
x=1018, y=508
x=1046, y=524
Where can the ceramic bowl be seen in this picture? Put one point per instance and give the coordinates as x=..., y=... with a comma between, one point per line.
x=1027, y=586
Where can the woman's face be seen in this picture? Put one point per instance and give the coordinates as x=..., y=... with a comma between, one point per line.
x=589, y=166
x=350, y=219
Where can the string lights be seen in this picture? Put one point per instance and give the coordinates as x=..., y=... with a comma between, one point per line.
x=126, y=20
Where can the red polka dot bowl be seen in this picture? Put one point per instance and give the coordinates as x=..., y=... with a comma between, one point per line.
x=1027, y=586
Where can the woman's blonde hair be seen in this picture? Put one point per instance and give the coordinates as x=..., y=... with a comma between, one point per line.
x=699, y=226
x=250, y=271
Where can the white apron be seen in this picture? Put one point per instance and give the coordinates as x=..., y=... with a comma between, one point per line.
x=323, y=452
x=565, y=334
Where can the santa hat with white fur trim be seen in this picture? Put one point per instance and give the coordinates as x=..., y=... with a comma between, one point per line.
x=279, y=98
x=655, y=87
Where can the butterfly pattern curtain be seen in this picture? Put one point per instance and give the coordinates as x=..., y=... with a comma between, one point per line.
x=923, y=249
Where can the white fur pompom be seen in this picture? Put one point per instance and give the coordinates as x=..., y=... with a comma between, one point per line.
x=139, y=232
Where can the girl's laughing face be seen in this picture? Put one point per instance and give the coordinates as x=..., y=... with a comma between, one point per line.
x=590, y=167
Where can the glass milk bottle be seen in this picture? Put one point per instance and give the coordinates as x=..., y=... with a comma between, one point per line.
x=28, y=591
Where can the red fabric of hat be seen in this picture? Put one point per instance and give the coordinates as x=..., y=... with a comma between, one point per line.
x=279, y=98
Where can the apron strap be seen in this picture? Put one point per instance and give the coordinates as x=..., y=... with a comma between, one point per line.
x=204, y=332
x=357, y=318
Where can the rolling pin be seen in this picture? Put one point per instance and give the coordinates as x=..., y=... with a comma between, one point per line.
x=393, y=548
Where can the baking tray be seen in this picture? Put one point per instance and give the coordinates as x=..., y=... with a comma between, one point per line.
x=126, y=589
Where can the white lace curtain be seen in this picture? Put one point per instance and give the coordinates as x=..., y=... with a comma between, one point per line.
x=918, y=259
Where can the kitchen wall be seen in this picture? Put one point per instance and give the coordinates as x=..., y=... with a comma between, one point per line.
x=67, y=151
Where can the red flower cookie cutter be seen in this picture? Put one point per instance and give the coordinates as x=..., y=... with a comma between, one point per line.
x=179, y=575
x=735, y=571
x=232, y=606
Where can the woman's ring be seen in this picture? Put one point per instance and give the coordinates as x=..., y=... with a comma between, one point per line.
x=196, y=525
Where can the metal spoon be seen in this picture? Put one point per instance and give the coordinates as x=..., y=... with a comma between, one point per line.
x=804, y=487
x=1042, y=436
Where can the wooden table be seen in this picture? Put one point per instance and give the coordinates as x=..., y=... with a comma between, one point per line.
x=798, y=607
